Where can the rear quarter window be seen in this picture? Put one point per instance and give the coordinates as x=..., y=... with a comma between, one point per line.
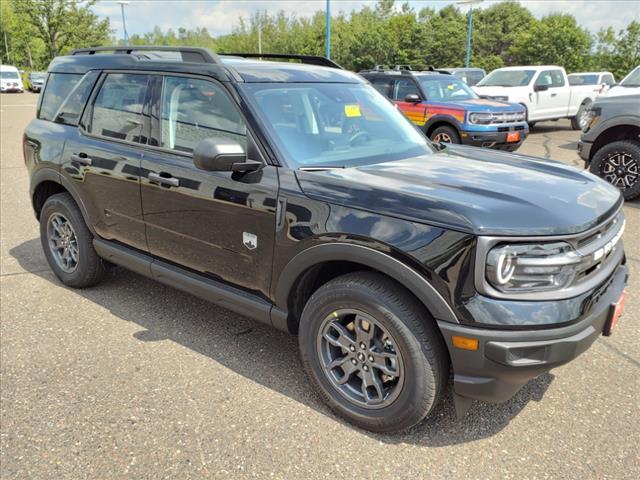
x=57, y=88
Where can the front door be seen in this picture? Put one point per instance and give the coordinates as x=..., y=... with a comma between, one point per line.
x=221, y=224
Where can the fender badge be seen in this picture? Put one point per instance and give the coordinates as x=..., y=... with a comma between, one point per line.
x=250, y=240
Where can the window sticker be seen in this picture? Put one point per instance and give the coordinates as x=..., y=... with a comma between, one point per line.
x=352, y=110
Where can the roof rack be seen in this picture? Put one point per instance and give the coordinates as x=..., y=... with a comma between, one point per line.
x=188, y=54
x=306, y=59
x=404, y=69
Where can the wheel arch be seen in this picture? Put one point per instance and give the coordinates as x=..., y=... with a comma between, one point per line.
x=47, y=182
x=615, y=133
x=313, y=267
x=441, y=121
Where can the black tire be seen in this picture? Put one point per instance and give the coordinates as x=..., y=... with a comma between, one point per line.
x=445, y=132
x=626, y=153
x=576, y=121
x=423, y=359
x=89, y=267
x=531, y=125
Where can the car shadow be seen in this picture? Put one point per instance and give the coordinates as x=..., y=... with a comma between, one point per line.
x=261, y=353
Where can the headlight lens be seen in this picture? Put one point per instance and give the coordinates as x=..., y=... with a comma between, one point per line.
x=538, y=267
x=481, y=118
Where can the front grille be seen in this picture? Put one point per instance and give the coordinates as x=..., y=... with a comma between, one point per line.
x=507, y=117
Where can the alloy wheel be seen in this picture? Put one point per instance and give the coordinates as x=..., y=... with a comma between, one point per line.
x=442, y=138
x=621, y=170
x=360, y=358
x=63, y=243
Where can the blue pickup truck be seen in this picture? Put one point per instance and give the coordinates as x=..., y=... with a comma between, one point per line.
x=448, y=110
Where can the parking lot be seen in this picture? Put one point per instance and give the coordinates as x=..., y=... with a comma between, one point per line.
x=132, y=379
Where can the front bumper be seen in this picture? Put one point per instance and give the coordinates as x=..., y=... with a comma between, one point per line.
x=584, y=150
x=11, y=89
x=494, y=139
x=507, y=359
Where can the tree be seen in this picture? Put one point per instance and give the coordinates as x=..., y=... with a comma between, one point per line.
x=62, y=24
x=618, y=54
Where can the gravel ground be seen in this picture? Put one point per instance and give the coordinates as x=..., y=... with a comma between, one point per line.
x=131, y=379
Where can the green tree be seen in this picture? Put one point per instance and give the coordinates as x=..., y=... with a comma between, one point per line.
x=62, y=24
x=620, y=53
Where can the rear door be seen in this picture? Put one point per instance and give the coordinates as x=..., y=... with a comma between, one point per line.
x=220, y=224
x=102, y=159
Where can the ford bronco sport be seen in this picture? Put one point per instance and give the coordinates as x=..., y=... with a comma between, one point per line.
x=296, y=194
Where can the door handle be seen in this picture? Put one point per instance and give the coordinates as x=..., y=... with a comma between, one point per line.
x=81, y=158
x=554, y=94
x=164, y=180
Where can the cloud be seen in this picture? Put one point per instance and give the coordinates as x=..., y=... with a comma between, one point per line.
x=220, y=16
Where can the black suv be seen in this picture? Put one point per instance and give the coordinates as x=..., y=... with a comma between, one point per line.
x=610, y=142
x=298, y=195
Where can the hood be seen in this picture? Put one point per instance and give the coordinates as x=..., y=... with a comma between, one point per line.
x=618, y=91
x=499, y=91
x=481, y=105
x=474, y=190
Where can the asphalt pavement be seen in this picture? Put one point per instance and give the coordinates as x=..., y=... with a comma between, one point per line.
x=131, y=379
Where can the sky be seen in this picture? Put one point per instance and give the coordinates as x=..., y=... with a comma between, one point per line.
x=220, y=16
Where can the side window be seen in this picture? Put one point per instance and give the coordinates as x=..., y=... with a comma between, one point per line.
x=404, y=87
x=70, y=111
x=383, y=85
x=557, y=79
x=608, y=79
x=56, y=91
x=544, y=78
x=117, y=110
x=194, y=109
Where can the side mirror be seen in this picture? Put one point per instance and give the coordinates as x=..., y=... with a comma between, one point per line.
x=540, y=88
x=412, y=98
x=219, y=154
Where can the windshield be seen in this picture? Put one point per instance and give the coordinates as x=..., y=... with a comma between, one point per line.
x=507, y=78
x=334, y=125
x=575, y=79
x=9, y=75
x=633, y=79
x=445, y=88
x=37, y=76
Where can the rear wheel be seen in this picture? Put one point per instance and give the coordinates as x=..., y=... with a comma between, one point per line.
x=68, y=243
x=372, y=352
x=445, y=134
x=619, y=164
x=580, y=120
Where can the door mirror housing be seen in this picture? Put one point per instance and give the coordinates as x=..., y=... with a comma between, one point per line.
x=540, y=88
x=412, y=98
x=219, y=154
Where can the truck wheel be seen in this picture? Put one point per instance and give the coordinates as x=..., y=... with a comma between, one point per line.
x=372, y=352
x=619, y=164
x=445, y=135
x=68, y=243
x=580, y=120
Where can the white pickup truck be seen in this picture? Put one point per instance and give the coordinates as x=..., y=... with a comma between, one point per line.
x=544, y=91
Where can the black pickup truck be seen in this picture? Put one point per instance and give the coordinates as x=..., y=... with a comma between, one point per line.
x=296, y=194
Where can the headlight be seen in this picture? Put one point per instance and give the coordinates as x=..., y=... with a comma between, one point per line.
x=593, y=116
x=482, y=118
x=520, y=268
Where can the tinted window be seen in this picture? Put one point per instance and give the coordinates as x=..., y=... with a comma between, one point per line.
x=117, y=111
x=193, y=110
x=474, y=77
x=71, y=109
x=405, y=87
x=9, y=75
x=550, y=78
x=56, y=90
x=383, y=85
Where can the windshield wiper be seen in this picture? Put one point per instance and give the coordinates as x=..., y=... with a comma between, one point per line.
x=320, y=168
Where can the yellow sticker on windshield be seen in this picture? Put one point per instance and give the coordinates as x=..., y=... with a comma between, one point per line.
x=450, y=86
x=352, y=110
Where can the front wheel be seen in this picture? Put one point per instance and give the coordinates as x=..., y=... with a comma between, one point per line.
x=445, y=134
x=372, y=352
x=619, y=164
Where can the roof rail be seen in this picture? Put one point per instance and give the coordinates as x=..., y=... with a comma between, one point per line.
x=307, y=59
x=188, y=54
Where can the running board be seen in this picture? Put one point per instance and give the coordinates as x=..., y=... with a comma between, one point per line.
x=205, y=288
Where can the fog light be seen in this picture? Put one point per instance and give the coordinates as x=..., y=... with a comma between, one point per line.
x=464, y=343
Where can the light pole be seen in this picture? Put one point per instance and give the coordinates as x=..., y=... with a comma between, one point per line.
x=327, y=52
x=124, y=23
x=470, y=3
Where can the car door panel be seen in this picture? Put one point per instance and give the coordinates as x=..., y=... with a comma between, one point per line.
x=221, y=224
